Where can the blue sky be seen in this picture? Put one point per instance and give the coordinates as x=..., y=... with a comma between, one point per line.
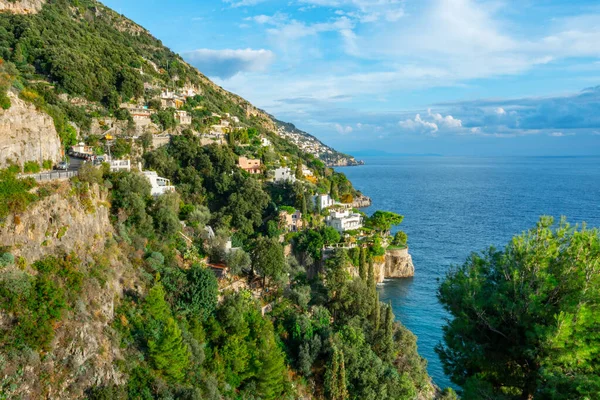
x=455, y=77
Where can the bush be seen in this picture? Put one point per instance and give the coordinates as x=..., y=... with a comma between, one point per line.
x=47, y=164
x=31, y=167
x=14, y=193
x=6, y=259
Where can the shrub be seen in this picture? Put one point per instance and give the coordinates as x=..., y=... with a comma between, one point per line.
x=6, y=259
x=31, y=167
x=47, y=164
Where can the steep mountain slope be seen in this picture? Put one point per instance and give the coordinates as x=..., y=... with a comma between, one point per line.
x=107, y=60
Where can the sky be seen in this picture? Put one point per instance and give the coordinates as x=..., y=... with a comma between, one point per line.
x=451, y=77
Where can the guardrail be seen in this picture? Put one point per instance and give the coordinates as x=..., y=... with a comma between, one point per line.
x=51, y=176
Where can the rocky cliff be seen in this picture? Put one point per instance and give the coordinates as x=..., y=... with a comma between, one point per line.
x=361, y=201
x=397, y=264
x=21, y=6
x=85, y=350
x=59, y=222
x=27, y=134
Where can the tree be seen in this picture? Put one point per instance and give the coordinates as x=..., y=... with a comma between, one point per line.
x=298, y=173
x=200, y=296
x=237, y=260
x=362, y=265
x=156, y=306
x=383, y=221
x=331, y=235
x=400, y=239
x=335, y=377
x=169, y=355
x=268, y=258
x=523, y=324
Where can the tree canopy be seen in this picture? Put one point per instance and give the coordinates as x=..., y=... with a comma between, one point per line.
x=525, y=319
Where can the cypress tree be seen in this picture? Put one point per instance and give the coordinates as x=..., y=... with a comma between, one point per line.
x=362, y=264
x=169, y=355
x=342, y=387
x=371, y=273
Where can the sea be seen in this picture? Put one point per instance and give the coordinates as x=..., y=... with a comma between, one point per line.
x=453, y=206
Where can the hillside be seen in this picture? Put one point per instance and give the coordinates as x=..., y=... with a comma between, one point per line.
x=109, y=60
x=211, y=258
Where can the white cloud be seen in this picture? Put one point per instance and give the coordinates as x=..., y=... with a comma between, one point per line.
x=432, y=123
x=419, y=125
x=243, y=3
x=343, y=130
x=500, y=111
x=228, y=63
x=448, y=121
x=561, y=134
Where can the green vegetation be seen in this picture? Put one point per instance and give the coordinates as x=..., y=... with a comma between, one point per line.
x=525, y=320
x=181, y=334
x=15, y=193
x=38, y=301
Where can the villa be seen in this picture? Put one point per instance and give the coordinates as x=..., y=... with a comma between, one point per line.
x=249, y=165
x=345, y=220
x=183, y=117
x=159, y=185
x=284, y=174
x=322, y=201
x=291, y=222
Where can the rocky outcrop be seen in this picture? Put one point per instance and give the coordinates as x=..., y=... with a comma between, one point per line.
x=86, y=350
x=59, y=222
x=361, y=201
x=21, y=6
x=397, y=264
x=27, y=134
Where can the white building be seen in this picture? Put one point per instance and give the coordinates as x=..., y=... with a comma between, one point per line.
x=264, y=142
x=183, y=117
x=120, y=165
x=159, y=185
x=344, y=220
x=306, y=171
x=323, y=201
x=284, y=174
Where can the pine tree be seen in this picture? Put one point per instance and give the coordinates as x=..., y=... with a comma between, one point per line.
x=362, y=264
x=156, y=306
x=169, y=355
x=272, y=372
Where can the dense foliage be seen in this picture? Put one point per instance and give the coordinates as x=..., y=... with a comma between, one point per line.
x=525, y=319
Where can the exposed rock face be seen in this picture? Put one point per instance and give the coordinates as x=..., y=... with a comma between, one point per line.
x=27, y=134
x=21, y=6
x=85, y=350
x=361, y=201
x=58, y=222
x=397, y=264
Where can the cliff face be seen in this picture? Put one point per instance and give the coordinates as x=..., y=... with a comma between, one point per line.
x=361, y=201
x=27, y=134
x=85, y=350
x=21, y=6
x=397, y=264
x=59, y=222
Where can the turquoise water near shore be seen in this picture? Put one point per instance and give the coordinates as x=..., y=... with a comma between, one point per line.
x=453, y=206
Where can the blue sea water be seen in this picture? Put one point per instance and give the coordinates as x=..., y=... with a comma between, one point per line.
x=453, y=206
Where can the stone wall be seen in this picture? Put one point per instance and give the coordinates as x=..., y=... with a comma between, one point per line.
x=27, y=134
